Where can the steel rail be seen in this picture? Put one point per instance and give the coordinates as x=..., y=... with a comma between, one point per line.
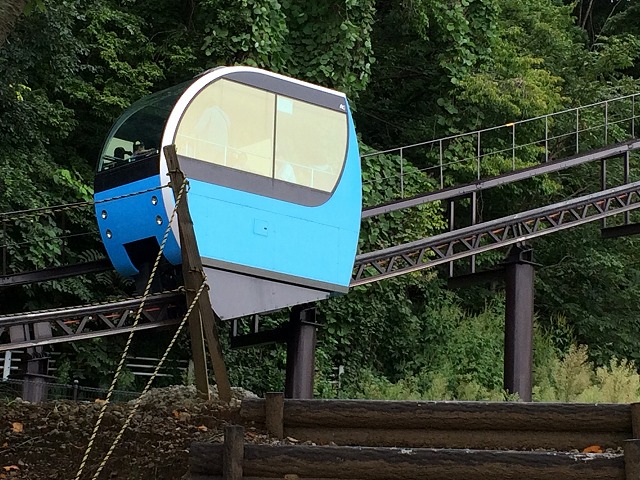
x=86, y=335
x=91, y=321
x=96, y=320
x=482, y=237
x=55, y=273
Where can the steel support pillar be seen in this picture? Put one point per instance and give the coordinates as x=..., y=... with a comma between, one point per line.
x=35, y=375
x=301, y=349
x=34, y=388
x=518, y=334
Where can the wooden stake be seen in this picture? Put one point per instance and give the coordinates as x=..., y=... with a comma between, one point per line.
x=274, y=411
x=202, y=318
x=233, y=453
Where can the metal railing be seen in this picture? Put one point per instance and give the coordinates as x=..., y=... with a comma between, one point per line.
x=10, y=389
x=512, y=146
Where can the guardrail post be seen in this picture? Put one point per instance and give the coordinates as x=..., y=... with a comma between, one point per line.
x=603, y=184
x=274, y=414
x=606, y=122
x=76, y=384
x=633, y=116
x=233, y=453
x=401, y=174
x=626, y=168
x=441, y=166
x=452, y=220
x=546, y=138
x=577, y=130
x=4, y=247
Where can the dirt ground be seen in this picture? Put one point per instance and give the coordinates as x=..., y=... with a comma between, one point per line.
x=48, y=440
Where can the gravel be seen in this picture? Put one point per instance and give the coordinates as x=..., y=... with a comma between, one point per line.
x=48, y=440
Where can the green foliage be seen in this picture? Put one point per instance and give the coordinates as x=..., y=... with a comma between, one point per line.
x=580, y=266
x=253, y=33
x=331, y=42
x=92, y=363
x=414, y=70
x=457, y=356
x=326, y=43
x=575, y=379
x=381, y=183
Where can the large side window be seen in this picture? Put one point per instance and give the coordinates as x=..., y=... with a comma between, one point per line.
x=272, y=135
x=232, y=125
x=311, y=144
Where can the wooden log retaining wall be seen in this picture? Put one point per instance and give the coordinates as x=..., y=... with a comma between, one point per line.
x=308, y=462
x=481, y=425
x=382, y=440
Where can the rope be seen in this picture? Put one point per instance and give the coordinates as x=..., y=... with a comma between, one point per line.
x=130, y=338
x=35, y=212
x=138, y=400
x=132, y=194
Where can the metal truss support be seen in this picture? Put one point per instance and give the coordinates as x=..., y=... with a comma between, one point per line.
x=477, y=278
x=91, y=321
x=464, y=242
x=299, y=333
x=621, y=230
x=301, y=350
x=256, y=337
x=34, y=389
x=518, y=331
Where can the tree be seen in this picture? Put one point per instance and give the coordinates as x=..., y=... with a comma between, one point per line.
x=10, y=10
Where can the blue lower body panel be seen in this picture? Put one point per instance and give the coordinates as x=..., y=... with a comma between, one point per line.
x=128, y=219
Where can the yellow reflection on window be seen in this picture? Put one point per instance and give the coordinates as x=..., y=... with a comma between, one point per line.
x=232, y=125
x=311, y=144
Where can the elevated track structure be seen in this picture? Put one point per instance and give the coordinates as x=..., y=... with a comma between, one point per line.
x=593, y=133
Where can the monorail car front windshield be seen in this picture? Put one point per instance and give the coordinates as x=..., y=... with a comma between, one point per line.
x=139, y=128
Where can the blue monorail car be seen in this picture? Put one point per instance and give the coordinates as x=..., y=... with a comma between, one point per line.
x=274, y=187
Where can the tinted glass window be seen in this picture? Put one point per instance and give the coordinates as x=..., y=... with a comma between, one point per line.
x=247, y=128
x=232, y=125
x=311, y=144
x=138, y=131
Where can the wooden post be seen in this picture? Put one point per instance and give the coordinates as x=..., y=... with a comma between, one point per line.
x=202, y=318
x=233, y=453
x=274, y=414
x=632, y=459
x=635, y=419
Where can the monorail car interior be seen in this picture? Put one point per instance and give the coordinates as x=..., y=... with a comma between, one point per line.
x=274, y=187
